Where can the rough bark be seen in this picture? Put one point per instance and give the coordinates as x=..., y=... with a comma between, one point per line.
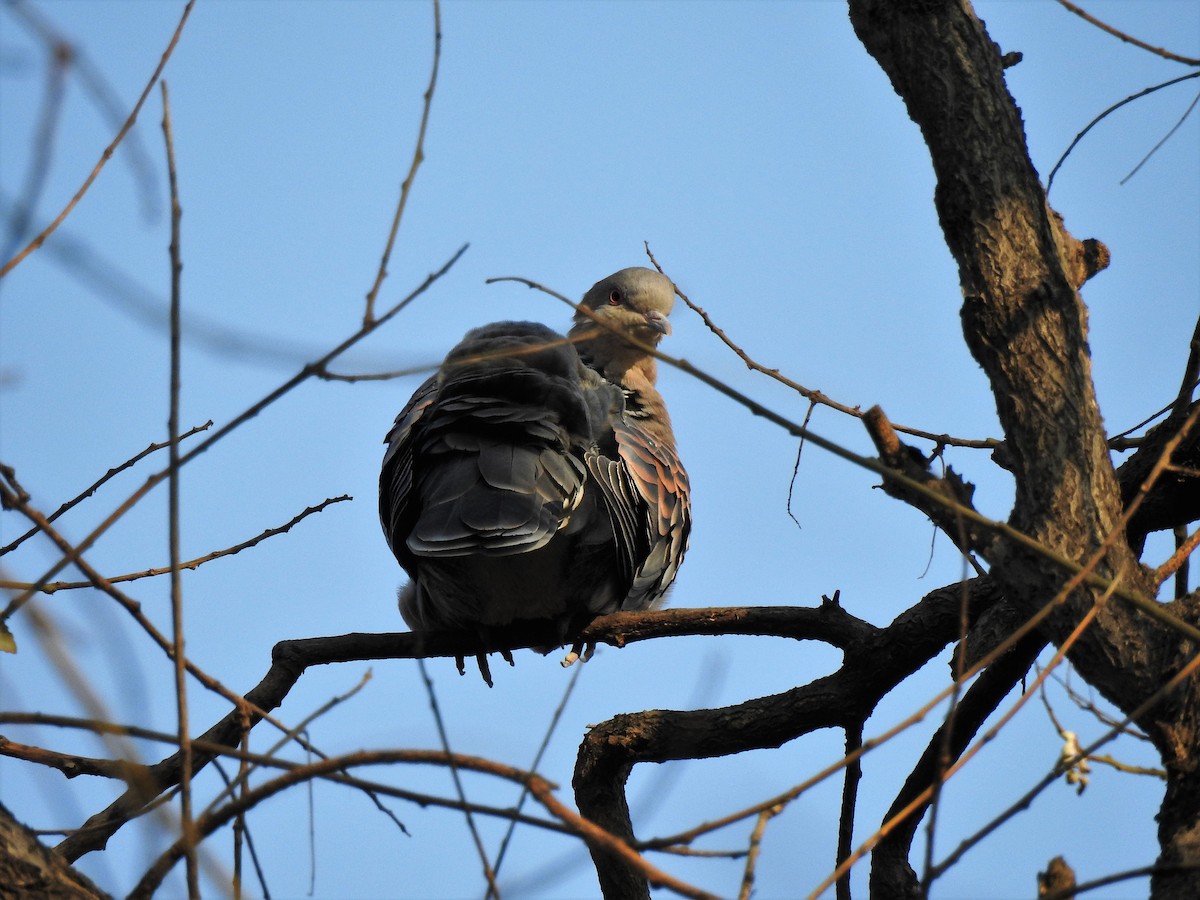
x=1026, y=326
x=28, y=868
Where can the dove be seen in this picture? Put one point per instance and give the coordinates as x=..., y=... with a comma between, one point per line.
x=534, y=476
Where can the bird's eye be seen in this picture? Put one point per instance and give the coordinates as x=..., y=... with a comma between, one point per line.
x=614, y=298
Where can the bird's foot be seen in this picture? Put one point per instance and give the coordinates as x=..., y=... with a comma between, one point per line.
x=580, y=650
x=484, y=669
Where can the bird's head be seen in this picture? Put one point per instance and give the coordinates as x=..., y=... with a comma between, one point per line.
x=633, y=302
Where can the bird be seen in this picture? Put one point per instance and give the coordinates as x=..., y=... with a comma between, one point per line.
x=534, y=477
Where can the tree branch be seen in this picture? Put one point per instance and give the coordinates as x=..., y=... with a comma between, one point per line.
x=874, y=664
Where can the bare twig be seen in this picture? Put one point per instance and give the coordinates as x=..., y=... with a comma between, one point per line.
x=1191, y=375
x=10, y=497
x=945, y=756
x=1001, y=529
x=1128, y=768
x=850, y=782
x=814, y=396
x=326, y=375
x=96, y=485
x=444, y=738
x=60, y=54
x=796, y=466
x=1090, y=125
x=541, y=789
x=1166, y=137
x=925, y=796
x=292, y=734
x=108, y=151
x=187, y=822
x=1026, y=799
x=1178, y=560
x=102, y=727
x=191, y=564
x=1089, y=707
x=1165, y=54
x=1142, y=872
x=1123, y=442
x=417, y=159
x=555, y=718
x=73, y=552
x=756, y=836
x=72, y=765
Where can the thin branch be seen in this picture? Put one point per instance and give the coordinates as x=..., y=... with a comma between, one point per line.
x=756, y=836
x=918, y=802
x=42, y=151
x=72, y=553
x=555, y=718
x=1105, y=114
x=108, y=151
x=1002, y=529
x=96, y=485
x=541, y=789
x=444, y=738
x=1178, y=560
x=1143, y=872
x=1165, y=54
x=1191, y=375
x=187, y=822
x=72, y=765
x=256, y=759
x=191, y=564
x=326, y=375
x=1121, y=442
x=1088, y=706
x=1129, y=768
x=1166, y=137
x=815, y=396
x=241, y=834
x=292, y=734
x=1027, y=798
x=9, y=498
x=796, y=466
x=112, y=107
x=115, y=814
x=417, y=158
x=946, y=754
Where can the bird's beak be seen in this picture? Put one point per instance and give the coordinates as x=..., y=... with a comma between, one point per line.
x=658, y=322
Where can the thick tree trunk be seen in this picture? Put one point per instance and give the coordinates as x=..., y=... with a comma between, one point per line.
x=1027, y=327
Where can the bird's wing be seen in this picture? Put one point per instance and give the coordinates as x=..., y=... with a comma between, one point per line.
x=484, y=461
x=396, y=477
x=650, y=492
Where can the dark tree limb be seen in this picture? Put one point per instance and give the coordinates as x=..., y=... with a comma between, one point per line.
x=1175, y=498
x=900, y=457
x=850, y=780
x=1026, y=326
x=874, y=665
x=829, y=623
x=891, y=873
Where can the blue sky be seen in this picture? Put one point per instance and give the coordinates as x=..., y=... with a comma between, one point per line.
x=777, y=178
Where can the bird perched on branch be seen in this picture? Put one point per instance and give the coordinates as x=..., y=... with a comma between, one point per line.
x=534, y=476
